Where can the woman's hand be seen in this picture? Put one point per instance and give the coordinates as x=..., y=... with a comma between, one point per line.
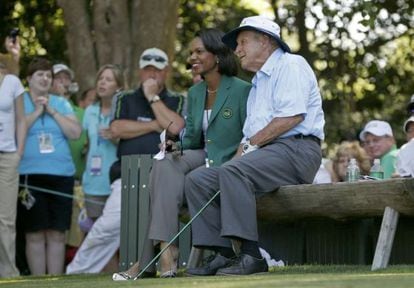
x=40, y=103
x=105, y=133
x=171, y=146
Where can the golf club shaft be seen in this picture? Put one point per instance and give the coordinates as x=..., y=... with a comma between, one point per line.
x=177, y=235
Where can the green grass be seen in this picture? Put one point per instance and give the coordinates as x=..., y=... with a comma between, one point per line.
x=292, y=276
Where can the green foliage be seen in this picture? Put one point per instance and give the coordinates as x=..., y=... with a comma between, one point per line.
x=195, y=15
x=362, y=52
x=41, y=28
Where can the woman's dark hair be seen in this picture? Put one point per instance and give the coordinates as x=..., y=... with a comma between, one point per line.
x=39, y=63
x=211, y=39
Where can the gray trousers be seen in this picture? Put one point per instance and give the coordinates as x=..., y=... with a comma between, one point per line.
x=284, y=162
x=167, y=192
x=166, y=198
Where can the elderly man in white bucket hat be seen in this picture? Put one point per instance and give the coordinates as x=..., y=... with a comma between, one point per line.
x=281, y=146
x=379, y=143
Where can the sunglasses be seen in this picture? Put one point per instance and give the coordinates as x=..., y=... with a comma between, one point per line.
x=156, y=58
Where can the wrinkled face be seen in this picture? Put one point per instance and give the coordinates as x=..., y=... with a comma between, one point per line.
x=40, y=81
x=150, y=72
x=410, y=131
x=202, y=61
x=250, y=49
x=377, y=146
x=61, y=79
x=106, y=85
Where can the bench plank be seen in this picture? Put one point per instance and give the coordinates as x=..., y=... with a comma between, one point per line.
x=337, y=201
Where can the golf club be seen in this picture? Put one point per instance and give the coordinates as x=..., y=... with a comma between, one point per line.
x=177, y=235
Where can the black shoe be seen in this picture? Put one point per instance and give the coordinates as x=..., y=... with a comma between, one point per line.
x=244, y=265
x=210, y=266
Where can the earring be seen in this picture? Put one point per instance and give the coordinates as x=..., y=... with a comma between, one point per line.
x=217, y=61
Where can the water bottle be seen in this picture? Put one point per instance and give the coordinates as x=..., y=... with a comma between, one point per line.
x=376, y=170
x=352, y=171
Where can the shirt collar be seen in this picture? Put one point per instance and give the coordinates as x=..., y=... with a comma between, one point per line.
x=268, y=66
x=271, y=62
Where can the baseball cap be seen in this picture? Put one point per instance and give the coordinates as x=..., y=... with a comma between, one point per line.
x=257, y=23
x=408, y=121
x=377, y=128
x=57, y=68
x=155, y=57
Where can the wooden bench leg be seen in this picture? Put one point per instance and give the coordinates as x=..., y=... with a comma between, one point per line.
x=385, y=239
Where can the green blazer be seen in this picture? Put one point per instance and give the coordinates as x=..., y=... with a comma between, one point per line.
x=228, y=113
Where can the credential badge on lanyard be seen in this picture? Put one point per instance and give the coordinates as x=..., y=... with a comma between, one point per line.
x=45, y=143
x=96, y=165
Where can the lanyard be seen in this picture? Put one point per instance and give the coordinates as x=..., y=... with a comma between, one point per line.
x=101, y=120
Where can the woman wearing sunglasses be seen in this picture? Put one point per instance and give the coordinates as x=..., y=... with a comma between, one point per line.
x=216, y=114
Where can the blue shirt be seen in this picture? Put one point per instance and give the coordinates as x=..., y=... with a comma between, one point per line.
x=285, y=86
x=98, y=185
x=59, y=162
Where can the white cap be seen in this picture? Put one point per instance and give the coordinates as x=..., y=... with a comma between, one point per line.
x=408, y=121
x=377, y=128
x=155, y=57
x=257, y=23
x=57, y=68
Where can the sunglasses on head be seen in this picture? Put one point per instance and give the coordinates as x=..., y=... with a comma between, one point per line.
x=153, y=57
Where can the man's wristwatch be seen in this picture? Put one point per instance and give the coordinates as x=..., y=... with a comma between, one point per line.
x=154, y=99
x=247, y=147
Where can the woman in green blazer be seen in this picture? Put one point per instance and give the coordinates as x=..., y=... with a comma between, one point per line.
x=216, y=113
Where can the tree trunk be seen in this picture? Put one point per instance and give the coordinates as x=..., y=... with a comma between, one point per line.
x=116, y=33
x=112, y=32
x=153, y=25
x=80, y=41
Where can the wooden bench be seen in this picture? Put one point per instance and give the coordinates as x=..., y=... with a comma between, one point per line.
x=340, y=201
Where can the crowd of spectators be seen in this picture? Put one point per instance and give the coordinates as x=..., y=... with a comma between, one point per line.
x=62, y=145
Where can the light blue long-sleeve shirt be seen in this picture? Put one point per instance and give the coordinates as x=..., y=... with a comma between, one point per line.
x=285, y=86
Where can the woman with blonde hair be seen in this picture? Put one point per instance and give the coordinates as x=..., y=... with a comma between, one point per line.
x=344, y=152
x=101, y=148
x=101, y=155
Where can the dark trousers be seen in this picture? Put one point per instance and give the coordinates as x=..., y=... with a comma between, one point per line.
x=284, y=162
